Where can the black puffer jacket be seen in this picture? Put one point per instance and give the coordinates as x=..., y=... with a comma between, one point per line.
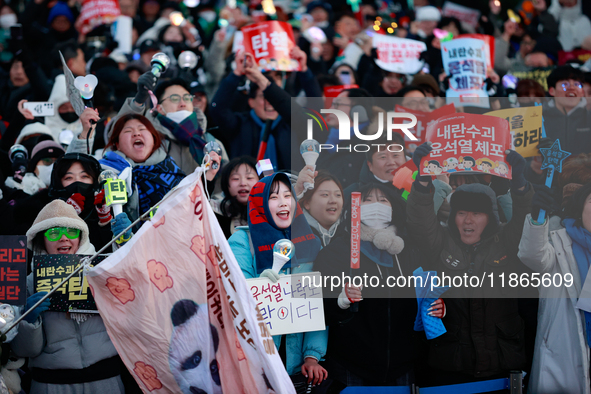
x=484, y=335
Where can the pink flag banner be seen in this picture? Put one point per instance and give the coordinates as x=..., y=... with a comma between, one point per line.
x=178, y=309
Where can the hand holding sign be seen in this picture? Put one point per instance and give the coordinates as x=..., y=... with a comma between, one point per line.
x=553, y=158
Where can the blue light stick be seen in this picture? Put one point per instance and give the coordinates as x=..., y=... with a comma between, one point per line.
x=553, y=158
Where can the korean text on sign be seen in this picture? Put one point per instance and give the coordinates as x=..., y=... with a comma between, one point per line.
x=526, y=128
x=399, y=55
x=13, y=269
x=270, y=43
x=291, y=305
x=467, y=142
x=464, y=60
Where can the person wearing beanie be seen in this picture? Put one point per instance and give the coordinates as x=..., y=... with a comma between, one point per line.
x=426, y=21
x=68, y=353
x=484, y=338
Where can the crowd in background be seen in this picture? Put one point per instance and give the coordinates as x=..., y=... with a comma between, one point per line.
x=152, y=131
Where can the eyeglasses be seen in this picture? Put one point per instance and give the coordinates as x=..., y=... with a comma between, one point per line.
x=566, y=85
x=337, y=104
x=55, y=234
x=176, y=98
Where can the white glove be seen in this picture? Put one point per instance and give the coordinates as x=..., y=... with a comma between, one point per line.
x=346, y=298
x=343, y=300
x=272, y=275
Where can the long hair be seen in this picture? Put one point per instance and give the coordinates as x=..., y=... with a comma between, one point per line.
x=575, y=207
x=120, y=124
x=230, y=206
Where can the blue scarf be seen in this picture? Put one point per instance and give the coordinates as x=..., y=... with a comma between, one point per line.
x=376, y=255
x=264, y=232
x=153, y=182
x=582, y=251
x=271, y=152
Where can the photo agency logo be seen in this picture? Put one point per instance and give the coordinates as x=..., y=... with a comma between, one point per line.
x=354, y=124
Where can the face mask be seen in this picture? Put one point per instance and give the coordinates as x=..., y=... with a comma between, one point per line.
x=8, y=20
x=45, y=174
x=69, y=117
x=376, y=215
x=178, y=116
x=208, y=16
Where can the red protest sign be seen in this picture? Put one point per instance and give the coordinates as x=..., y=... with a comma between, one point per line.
x=270, y=44
x=489, y=42
x=95, y=13
x=330, y=92
x=355, y=229
x=468, y=142
x=423, y=120
x=581, y=55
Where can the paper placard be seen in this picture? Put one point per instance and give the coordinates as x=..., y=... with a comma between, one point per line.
x=467, y=15
x=399, y=55
x=424, y=119
x=270, y=43
x=291, y=305
x=526, y=128
x=13, y=269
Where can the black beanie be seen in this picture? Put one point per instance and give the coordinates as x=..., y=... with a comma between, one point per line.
x=471, y=202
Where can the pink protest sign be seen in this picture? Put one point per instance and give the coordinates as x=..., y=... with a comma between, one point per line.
x=270, y=44
x=467, y=142
x=175, y=290
x=355, y=229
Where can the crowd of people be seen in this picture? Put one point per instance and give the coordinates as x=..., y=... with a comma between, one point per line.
x=152, y=130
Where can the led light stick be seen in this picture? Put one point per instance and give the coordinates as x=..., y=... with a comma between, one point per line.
x=553, y=158
x=310, y=150
x=283, y=251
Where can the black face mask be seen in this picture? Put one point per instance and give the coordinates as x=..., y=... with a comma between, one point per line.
x=69, y=117
x=79, y=187
x=177, y=47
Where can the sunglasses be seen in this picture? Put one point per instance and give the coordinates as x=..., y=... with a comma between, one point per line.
x=176, y=98
x=55, y=234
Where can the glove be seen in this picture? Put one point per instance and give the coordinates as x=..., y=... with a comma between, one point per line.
x=499, y=185
x=147, y=81
x=120, y=223
x=423, y=150
x=542, y=199
x=77, y=201
x=103, y=211
x=272, y=275
x=444, y=85
x=437, y=309
x=545, y=142
x=32, y=300
x=517, y=163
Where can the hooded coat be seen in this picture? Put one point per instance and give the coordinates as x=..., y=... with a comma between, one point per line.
x=58, y=97
x=83, y=352
x=485, y=336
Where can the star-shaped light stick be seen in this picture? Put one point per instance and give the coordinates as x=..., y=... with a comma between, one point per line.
x=553, y=158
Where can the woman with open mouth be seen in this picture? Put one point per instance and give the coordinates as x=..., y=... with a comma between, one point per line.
x=273, y=214
x=67, y=352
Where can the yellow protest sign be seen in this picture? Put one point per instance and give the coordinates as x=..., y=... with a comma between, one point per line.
x=115, y=192
x=526, y=128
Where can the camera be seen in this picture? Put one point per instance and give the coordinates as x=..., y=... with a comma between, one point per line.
x=18, y=157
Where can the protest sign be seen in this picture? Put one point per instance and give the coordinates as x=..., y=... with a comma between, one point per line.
x=330, y=92
x=423, y=120
x=175, y=290
x=270, y=44
x=581, y=55
x=95, y=13
x=539, y=75
x=467, y=142
x=467, y=15
x=489, y=42
x=526, y=128
x=291, y=305
x=464, y=60
x=51, y=269
x=398, y=55
x=13, y=269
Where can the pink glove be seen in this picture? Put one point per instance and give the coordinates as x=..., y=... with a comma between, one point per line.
x=77, y=201
x=103, y=211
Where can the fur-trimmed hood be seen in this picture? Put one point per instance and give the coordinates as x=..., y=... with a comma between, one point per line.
x=60, y=214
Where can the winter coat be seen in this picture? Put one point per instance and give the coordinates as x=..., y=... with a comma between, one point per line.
x=242, y=134
x=573, y=129
x=299, y=345
x=58, y=97
x=55, y=341
x=179, y=152
x=324, y=235
x=561, y=357
x=484, y=335
x=382, y=328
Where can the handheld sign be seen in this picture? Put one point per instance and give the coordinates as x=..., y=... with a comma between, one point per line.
x=13, y=269
x=553, y=158
x=355, y=229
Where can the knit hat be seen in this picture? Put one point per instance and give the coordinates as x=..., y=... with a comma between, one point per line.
x=60, y=9
x=57, y=214
x=43, y=150
x=33, y=128
x=428, y=13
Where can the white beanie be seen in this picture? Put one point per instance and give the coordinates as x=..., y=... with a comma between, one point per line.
x=428, y=13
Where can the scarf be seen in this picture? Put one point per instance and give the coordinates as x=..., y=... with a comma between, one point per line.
x=582, y=251
x=324, y=233
x=187, y=133
x=264, y=232
x=380, y=244
x=153, y=182
x=271, y=152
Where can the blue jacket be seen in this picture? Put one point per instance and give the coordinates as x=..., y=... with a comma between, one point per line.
x=299, y=345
